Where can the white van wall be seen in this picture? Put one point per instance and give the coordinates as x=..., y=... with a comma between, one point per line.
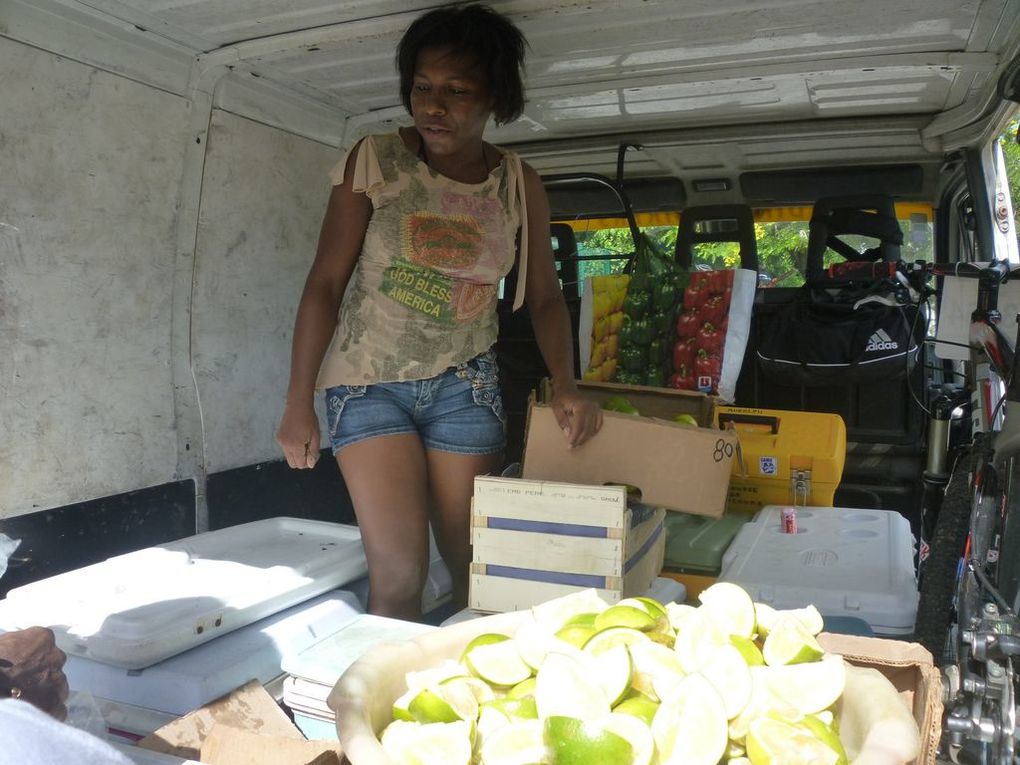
x=88, y=195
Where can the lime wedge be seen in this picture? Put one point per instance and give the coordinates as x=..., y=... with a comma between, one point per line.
x=811, y=687
x=763, y=702
x=808, y=616
x=496, y=661
x=657, y=669
x=625, y=616
x=635, y=732
x=730, y=607
x=522, y=689
x=678, y=613
x=824, y=732
x=574, y=741
x=690, y=727
x=698, y=639
x=774, y=741
x=534, y=641
x=639, y=706
x=727, y=671
x=401, y=707
x=789, y=642
x=748, y=649
x=434, y=744
x=555, y=613
x=482, y=691
x=564, y=686
x=602, y=641
x=443, y=704
x=522, y=742
x=613, y=670
x=524, y=708
x=576, y=634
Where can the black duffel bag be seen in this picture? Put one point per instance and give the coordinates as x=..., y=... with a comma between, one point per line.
x=839, y=337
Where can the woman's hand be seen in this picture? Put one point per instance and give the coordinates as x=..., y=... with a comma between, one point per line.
x=578, y=417
x=299, y=436
x=31, y=668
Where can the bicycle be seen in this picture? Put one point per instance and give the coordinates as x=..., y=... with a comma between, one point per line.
x=967, y=610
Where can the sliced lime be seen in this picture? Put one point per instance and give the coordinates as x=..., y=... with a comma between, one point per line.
x=774, y=741
x=633, y=617
x=748, y=649
x=602, y=641
x=657, y=669
x=789, y=642
x=811, y=687
x=727, y=671
x=639, y=706
x=497, y=662
x=433, y=744
x=690, y=727
x=574, y=741
x=730, y=607
x=522, y=742
x=697, y=640
x=564, y=686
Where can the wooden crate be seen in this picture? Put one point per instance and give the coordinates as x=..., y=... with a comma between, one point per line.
x=537, y=540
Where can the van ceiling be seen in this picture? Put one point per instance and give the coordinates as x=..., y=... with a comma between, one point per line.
x=705, y=87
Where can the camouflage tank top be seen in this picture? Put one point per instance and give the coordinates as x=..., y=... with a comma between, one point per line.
x=422, y=296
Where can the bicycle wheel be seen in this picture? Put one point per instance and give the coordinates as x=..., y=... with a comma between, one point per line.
x=935, y=603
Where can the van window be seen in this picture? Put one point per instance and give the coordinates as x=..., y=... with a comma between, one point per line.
x=1010, y=148
x=782, y=237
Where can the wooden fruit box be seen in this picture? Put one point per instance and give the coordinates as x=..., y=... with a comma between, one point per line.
x=538, y=540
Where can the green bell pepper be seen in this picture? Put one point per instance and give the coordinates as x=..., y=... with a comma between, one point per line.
x=635, y=305
x=631, y=358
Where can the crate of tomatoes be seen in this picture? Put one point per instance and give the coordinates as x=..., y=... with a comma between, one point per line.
x=712, y=326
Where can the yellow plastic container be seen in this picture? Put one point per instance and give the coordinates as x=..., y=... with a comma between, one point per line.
x=786, y=457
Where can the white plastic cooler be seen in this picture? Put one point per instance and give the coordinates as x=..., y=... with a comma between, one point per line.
x=135, y=610
x=848, y=562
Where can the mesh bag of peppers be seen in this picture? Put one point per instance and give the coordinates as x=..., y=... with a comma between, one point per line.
x=701, y=326
x=603, y=302
x=649, y=309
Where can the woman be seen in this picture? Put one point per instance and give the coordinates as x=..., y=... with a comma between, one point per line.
x=421, y=226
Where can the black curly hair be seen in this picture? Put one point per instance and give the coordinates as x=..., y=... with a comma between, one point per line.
x=480, y=33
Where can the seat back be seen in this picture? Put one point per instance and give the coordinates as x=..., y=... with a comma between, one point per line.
x=717, y=223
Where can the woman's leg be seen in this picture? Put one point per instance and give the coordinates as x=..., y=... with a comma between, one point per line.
x=387, y=479
x=452, y=479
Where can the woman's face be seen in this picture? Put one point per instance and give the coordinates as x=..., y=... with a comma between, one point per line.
x=450, y=103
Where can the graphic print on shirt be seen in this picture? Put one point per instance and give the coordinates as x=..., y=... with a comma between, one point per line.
x=420, y=289
x=448, y=258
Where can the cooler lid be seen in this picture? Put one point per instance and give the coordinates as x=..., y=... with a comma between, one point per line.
x=138, y=609
x=845, y=561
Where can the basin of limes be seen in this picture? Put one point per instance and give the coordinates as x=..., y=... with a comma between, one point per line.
x=634, y=683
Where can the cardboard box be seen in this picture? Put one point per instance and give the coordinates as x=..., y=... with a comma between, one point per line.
x=909, y=667
x=661, y=403
x=218, y=731
x=675, y=466
x=537, y=540
x=786, y=458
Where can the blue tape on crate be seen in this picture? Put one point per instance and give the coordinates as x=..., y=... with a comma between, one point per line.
x=574, y=579
x=547, y=527
x=551, y=577
x=643, y=550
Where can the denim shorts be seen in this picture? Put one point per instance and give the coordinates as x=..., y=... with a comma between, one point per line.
x=459, y=410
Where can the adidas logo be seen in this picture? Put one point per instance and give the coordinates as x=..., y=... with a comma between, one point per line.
x=880, y=341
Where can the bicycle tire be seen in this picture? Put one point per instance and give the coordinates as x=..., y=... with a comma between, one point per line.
x=935, y=604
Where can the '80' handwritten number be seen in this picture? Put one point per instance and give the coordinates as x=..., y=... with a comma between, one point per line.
x=722, y=449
